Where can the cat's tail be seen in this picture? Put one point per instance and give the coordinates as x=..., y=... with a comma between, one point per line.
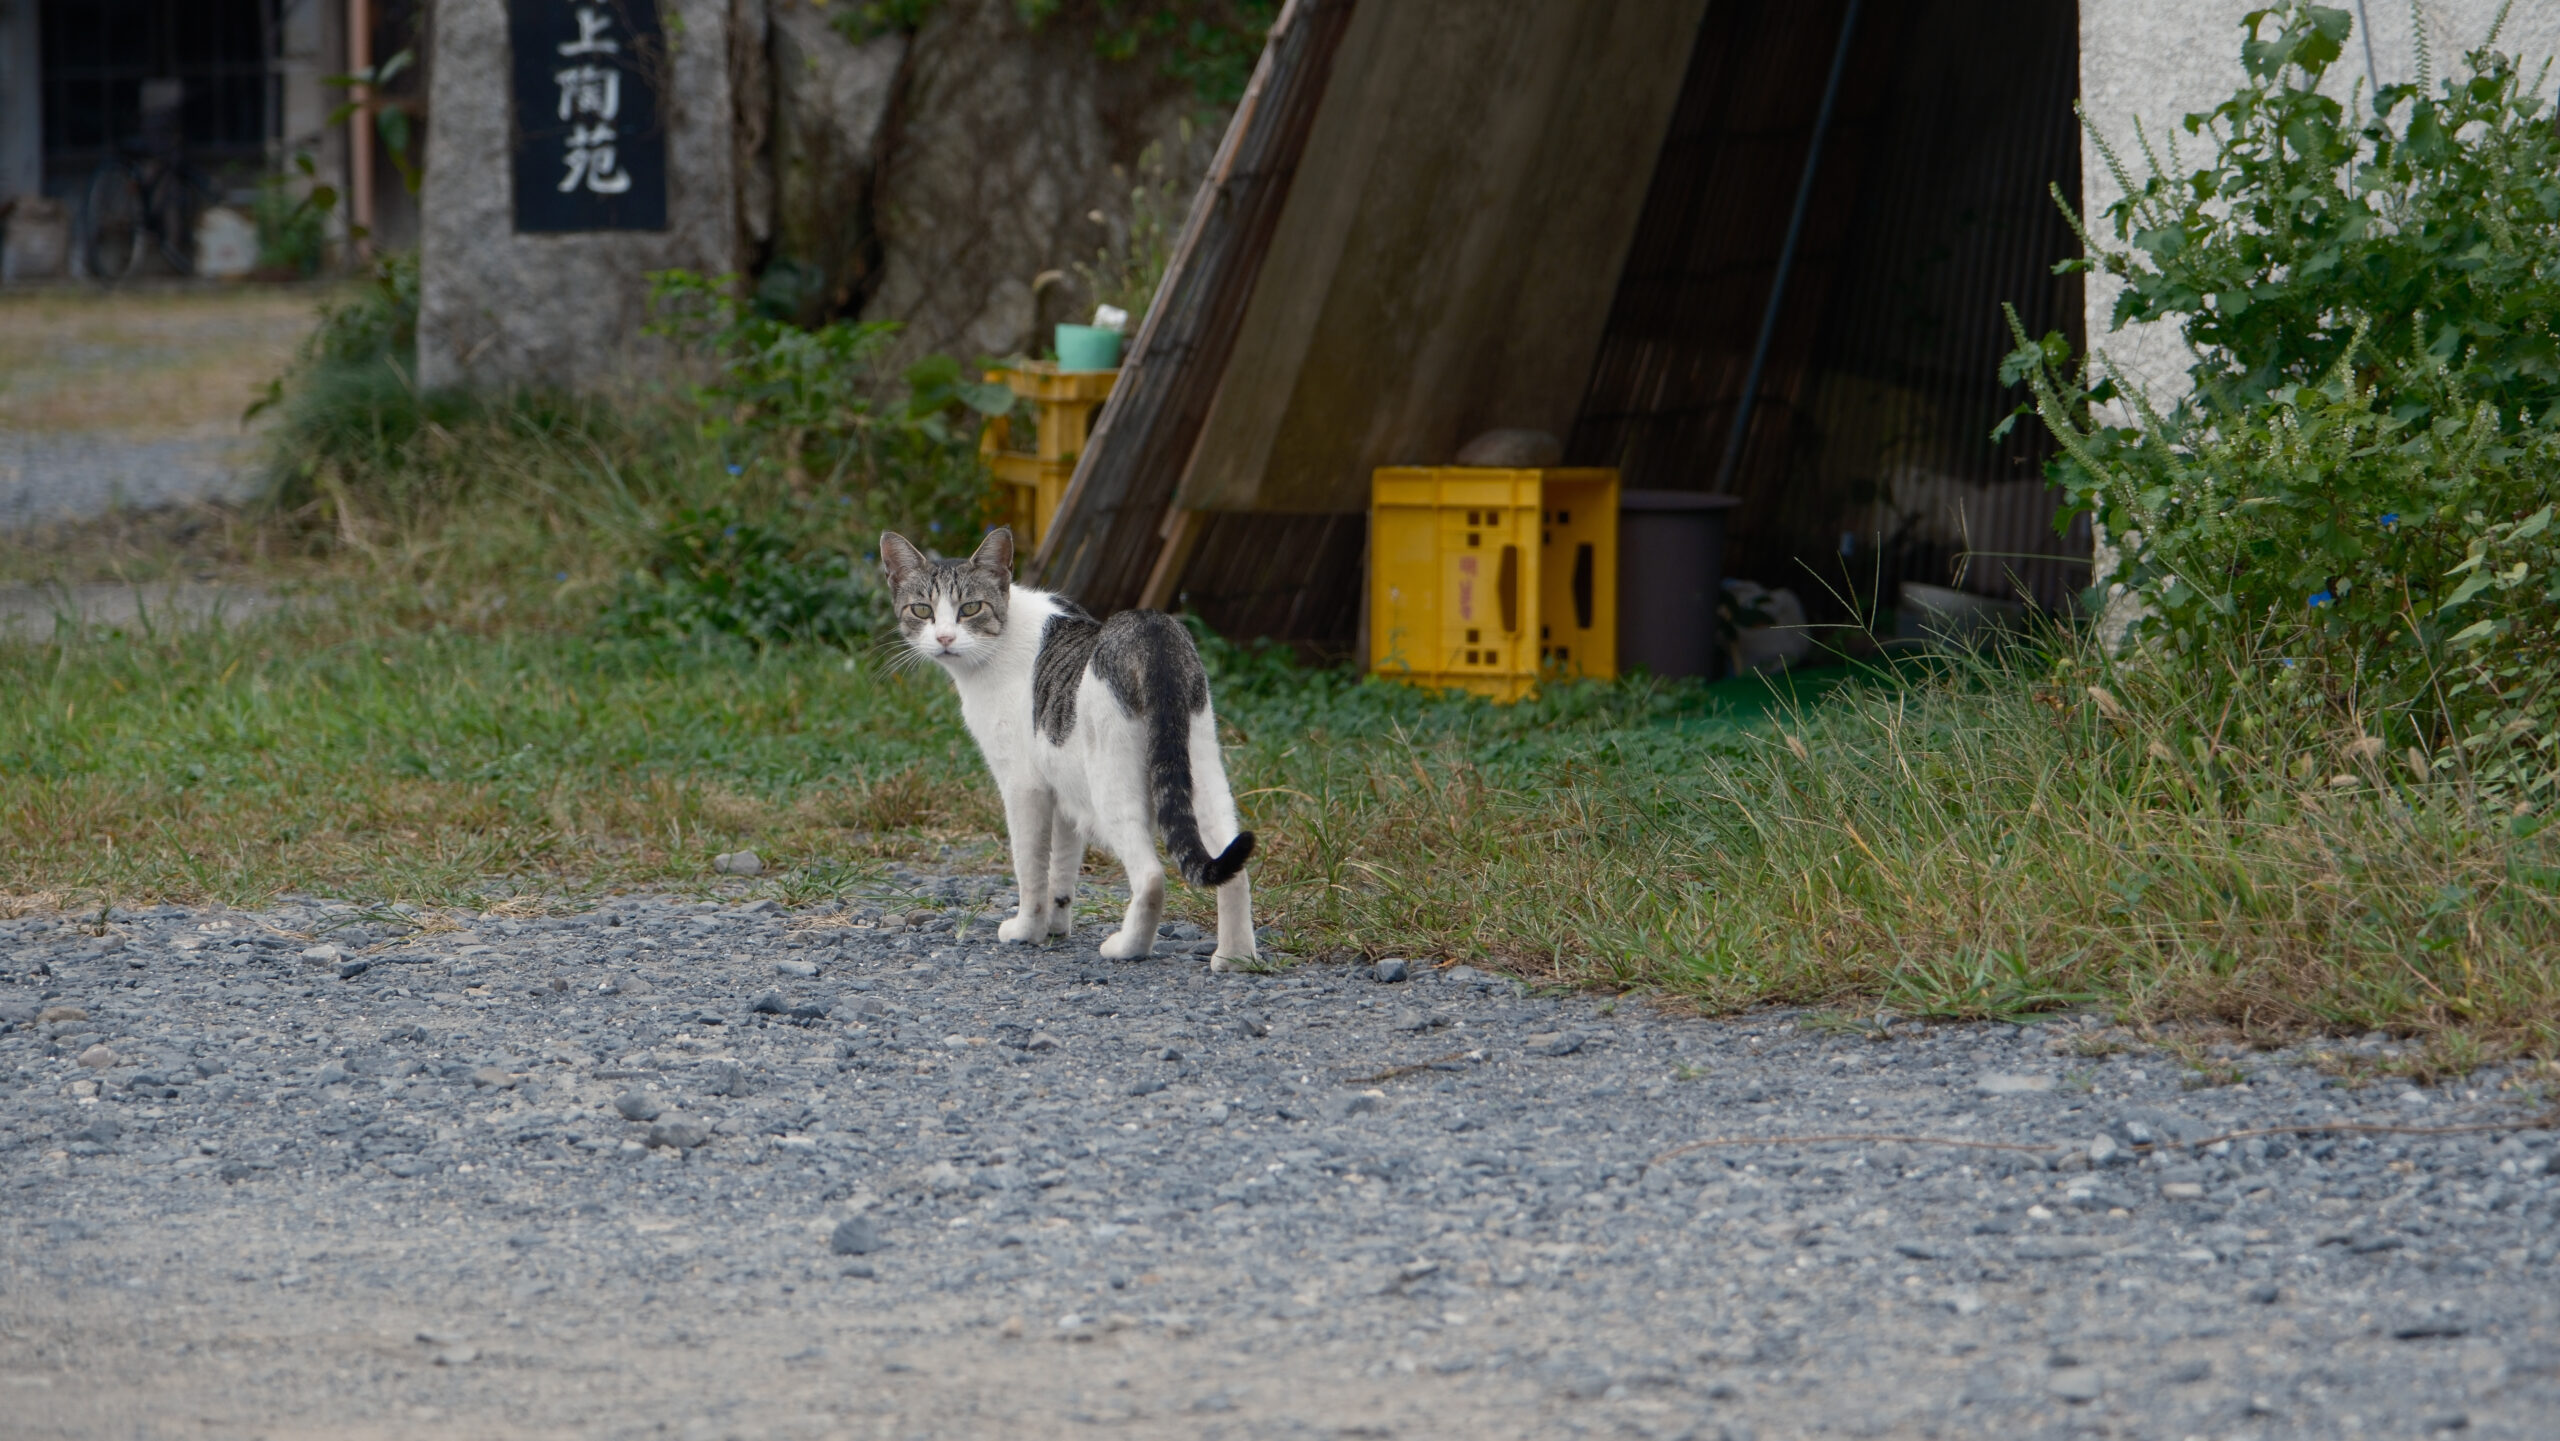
x=1176, y=691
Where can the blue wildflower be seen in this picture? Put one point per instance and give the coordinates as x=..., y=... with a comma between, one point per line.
x=737, y=470
x=2321, y=598
x=2391, y=521
x=730, y=534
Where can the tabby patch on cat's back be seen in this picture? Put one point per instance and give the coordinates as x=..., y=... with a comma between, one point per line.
x=1095, y=731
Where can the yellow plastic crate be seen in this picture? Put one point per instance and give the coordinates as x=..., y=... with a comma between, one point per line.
x=1489, y=580
x=1032, y=479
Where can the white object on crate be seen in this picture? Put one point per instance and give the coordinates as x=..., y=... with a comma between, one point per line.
x=226, y=244
x=1781, y=640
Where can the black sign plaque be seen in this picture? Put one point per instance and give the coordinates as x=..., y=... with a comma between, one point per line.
x=590, y=150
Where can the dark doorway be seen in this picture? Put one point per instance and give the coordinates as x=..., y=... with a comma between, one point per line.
x=99, y=54
x=1867, y=460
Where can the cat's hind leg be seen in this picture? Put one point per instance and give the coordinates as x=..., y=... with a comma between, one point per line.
x=1028, y=813
x=1066, y=863
x=1235, y=924
x=1134, y=842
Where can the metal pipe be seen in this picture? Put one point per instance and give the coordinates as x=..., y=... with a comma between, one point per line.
x=360, y=125
x=1741, y=432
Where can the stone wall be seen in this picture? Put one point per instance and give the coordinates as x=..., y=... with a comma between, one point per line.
x=933, y=179
x=1004, y=143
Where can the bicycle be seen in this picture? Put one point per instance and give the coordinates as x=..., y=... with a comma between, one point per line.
x=147, y=190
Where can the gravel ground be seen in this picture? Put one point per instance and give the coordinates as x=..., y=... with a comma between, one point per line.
x=696, y=1169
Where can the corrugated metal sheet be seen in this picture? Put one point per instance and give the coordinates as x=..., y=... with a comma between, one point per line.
x=1867, y=462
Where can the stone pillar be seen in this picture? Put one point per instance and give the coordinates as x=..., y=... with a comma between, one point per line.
x=2162, y=60
x=502, y=305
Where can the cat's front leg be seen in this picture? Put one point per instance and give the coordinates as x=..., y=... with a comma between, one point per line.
x=1028, y=812
x=1066, y=863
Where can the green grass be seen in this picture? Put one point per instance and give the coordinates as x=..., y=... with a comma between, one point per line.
x=441, y=719
x=1961, y=840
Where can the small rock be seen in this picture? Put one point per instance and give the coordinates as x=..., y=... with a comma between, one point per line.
x=2428, y=1328
x=1041, y=1041
x=1554, y=1043
x=2264, y=1293
x=498, y=1077
x=1358, y=1103
x=457, y=1355
x=2102, y=1149
x=1392, y=970
x=323, y=955
x=2077, y=1384
x=801, y=970
x=2009, y=1083
x=636, y=1106
x=1464, y=976
x=2181, y=1191
x=1012, y=1328
x=2187, y=1373
x=738, y=863
x=1916, y=1250
x=771, y=1003
x=50, y=1014
x=855, y=1236
x=679, y=1135
x=97, y=1057
x=333, y=1074
x=349, y=970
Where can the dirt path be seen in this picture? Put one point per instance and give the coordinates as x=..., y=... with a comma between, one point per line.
x=676, y=1169
x=133, y=396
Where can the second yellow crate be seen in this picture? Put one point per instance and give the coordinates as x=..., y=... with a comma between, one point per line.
x=1487, y=580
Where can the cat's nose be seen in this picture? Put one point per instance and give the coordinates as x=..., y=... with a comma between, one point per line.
x=944, y=638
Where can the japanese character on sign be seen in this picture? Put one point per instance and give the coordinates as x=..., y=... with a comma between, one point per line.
x=590, y=79
x=591, y=94
x=591, y=37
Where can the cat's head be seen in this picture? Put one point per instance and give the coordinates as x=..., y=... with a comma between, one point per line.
x=950, y=611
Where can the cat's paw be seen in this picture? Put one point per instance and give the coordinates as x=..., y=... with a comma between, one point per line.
x=1222, y=963
x=1022, y=931
x=1062, y=921
x=1124, y=947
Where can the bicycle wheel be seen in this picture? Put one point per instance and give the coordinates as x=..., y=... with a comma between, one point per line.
x=172, y=211
x=111, y=223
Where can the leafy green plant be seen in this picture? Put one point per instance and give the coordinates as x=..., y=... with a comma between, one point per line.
x=2423, y=234
x=1126, y=272
x=818, y=406
x=715, y=572
x=2352, y=512
x=293, y=229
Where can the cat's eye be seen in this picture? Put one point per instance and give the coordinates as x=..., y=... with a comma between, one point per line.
x=972, y=608
x=921, y=612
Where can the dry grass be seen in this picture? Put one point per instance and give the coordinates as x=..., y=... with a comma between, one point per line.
x=145, y=362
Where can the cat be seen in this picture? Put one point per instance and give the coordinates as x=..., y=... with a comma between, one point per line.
x=1094, y=730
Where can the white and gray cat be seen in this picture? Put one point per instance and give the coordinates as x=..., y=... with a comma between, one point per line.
x=1095, y=730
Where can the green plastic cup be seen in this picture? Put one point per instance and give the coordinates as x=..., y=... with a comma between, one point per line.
x=1088, y=347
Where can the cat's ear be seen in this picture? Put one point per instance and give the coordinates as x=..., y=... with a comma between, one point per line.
x=899, y=557
x=996, y=552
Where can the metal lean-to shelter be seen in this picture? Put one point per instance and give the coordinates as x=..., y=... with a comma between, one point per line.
x=1754, y=247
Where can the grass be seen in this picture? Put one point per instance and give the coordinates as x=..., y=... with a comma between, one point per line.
x=1948, y=843
x=440, y=720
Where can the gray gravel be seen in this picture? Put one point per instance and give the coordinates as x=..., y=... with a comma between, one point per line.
x=700, y=1169
x=72, y=475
